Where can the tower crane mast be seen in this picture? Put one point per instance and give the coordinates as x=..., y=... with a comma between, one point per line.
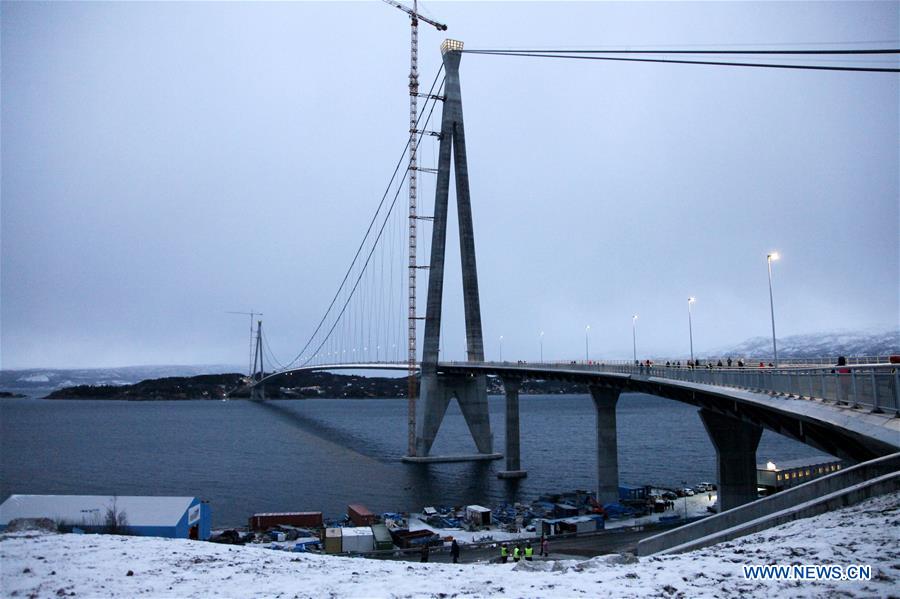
x=414, y=18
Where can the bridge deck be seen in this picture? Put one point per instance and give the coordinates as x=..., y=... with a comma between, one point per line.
x=853, y=415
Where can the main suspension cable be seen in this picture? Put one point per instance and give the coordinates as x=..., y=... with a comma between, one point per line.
x=675, y=61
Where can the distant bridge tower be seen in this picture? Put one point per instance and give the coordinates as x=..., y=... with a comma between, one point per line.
x=437, y=389
x=258, y=391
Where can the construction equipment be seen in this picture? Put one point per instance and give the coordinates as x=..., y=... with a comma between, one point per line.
x=413, y=216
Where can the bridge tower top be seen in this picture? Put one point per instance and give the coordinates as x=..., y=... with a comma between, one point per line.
x=449, y=45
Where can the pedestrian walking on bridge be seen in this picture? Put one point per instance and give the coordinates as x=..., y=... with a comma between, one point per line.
x=504, y=553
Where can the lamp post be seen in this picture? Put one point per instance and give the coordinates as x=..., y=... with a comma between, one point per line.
x=769, y=259
x=683, y=487
x=634, y=337
x=501, y=348
x=542, y=346
x=587, y=353
x=691, y=300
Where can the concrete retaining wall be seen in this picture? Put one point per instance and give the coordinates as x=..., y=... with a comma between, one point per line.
x=840, y=489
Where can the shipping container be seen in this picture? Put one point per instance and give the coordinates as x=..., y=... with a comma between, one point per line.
x=357, y=539
x=581, y=524
x=633, y=492
x=564, y=510
x=333, y=540
x=360, y=514
x=478, y=515
x=272, y=519
x=405, y=539
x=382, y=537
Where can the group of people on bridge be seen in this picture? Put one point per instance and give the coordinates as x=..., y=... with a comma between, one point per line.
x=698, y=363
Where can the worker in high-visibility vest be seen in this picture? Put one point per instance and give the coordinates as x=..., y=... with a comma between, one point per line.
x=504, y=553
x=529, y=551
x=517, y=553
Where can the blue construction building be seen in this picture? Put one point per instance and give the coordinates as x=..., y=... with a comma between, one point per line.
x=173, y=517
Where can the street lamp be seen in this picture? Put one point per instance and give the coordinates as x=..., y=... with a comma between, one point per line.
x=634, y=336
x=769, y=259
x=501, y=348
x=683, y=488
x=691, y=300
x=542, y=347
x=586, y=345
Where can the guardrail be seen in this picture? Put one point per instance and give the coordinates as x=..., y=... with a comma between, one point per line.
x=875, y=387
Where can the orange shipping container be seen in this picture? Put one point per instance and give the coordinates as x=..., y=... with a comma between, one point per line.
x=360, y=514
x=301, y=519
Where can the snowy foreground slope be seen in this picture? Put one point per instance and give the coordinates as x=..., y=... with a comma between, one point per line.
x=51, y=565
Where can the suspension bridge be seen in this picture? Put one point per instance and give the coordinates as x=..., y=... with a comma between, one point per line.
x=849, y=411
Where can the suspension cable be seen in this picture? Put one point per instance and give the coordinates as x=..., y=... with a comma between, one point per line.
x=377, y=238
x=674, y=61
x=270, y=353
x=365, y=237
x=743, y=52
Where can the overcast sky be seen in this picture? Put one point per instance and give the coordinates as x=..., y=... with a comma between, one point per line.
x=163, y=163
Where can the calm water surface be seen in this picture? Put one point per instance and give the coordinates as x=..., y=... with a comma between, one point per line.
x=323, y=454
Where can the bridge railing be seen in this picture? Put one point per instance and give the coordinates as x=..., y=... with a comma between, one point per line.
x=875, y=387
x=872, y=387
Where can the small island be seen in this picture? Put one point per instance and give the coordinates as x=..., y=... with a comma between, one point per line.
x=10, y=395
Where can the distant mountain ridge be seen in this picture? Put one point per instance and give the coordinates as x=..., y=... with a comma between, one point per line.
x=819, y=345
x=57, y=378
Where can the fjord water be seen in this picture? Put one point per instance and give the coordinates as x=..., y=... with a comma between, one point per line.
x=319, y=455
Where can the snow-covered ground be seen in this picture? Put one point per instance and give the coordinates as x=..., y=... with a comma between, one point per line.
x=50, y=565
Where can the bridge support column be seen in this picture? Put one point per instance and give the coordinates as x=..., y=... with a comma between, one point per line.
x=511, y=387
x=735, y=442
x=605, y=399
x=258, y=392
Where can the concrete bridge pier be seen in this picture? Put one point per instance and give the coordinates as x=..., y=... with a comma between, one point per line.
x=605, y=399
x=435, y=395
x=735, y=442
x=258, y=391
x=513, y=464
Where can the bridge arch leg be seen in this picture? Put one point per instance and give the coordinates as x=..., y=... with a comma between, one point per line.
x=605, y=399
x=735, y=442
x=513, y=462
x=434, y=397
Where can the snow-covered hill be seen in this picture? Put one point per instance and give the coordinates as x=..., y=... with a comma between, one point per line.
x=50, y=565
x=819, y=345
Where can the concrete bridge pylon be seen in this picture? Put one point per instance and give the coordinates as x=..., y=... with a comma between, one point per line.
x=436, y=390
